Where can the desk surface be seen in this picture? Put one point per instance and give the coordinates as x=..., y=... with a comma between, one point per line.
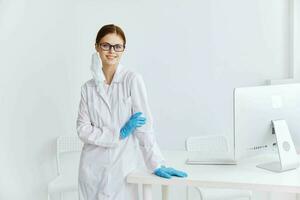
x=244, y=175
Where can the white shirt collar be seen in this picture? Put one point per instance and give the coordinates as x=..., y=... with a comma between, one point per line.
x=97, y=72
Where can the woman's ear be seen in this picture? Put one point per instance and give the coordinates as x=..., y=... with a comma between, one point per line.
x=96, y=47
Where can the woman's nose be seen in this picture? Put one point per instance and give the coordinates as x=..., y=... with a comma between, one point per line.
x=111, y=49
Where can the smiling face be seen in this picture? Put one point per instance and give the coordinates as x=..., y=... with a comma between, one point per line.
x=108, y=55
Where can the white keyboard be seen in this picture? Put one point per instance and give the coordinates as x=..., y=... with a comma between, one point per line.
x=210, y=162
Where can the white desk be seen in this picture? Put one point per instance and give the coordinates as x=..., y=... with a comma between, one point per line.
x=244, y=175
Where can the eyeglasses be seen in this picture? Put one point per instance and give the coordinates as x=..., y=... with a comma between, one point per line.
x=107, y=47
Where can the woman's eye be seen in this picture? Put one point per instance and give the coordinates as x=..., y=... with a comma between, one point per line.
x=105, y=45
x=118, y=46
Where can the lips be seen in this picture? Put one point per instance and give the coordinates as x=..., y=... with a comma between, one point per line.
x=110, y=57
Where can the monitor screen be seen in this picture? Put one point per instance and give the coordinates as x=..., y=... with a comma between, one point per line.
x=254, y=110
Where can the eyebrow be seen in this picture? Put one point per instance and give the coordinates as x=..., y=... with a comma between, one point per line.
x=110, y=43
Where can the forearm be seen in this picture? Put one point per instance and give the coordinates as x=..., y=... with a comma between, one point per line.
x=151, y=153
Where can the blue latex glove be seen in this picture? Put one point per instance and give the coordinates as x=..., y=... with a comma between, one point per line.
x=168, y=172
x=135, y=121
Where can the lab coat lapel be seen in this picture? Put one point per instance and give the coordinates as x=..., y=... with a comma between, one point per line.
x=104, y=96
x=99, y=78
x=118, y=74
x=116, y=79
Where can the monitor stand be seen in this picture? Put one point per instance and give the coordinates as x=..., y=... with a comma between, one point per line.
x=288, y=158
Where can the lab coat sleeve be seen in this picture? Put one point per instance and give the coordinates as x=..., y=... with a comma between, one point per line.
x=147, y=141
x=88, y=133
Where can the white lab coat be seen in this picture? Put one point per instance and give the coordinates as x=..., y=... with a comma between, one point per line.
x=105, y=159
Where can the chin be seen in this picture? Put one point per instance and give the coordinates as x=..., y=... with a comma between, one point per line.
x=112, y=62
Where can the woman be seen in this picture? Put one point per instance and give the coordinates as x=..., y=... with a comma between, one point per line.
x=115, y=124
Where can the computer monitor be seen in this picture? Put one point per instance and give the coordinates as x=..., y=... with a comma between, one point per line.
x=266, y=118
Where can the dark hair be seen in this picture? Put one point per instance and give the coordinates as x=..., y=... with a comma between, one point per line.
x=107, y=29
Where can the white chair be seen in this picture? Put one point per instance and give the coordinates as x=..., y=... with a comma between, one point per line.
x=213, y=143
x=68, y=150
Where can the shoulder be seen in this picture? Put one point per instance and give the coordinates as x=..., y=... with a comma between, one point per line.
x=130, y=76
x=88, y=84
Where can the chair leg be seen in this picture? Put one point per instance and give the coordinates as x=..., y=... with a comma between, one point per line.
x=48, y=196
x=200, y=193
x=61, y=196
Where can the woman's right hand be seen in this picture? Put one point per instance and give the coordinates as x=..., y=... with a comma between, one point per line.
x=168, y=172
x=134, y=122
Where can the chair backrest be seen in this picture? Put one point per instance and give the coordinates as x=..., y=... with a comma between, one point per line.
x=209, y=143
x=66, y=144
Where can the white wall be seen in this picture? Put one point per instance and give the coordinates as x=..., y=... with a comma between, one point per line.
x=296, y=38
x=191, y=54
